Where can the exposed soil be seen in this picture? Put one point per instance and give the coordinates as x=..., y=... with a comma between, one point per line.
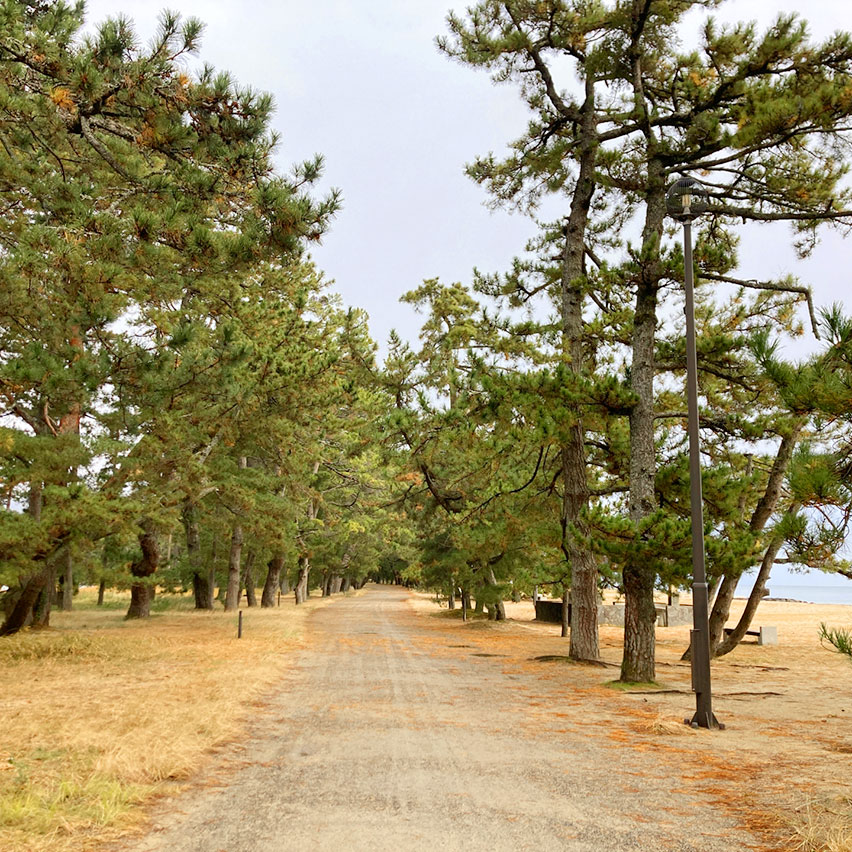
x=400, y=728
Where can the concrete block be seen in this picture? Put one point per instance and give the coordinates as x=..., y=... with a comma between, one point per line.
x=768, y=636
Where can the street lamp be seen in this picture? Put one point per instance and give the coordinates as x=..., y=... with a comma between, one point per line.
x=686, y=200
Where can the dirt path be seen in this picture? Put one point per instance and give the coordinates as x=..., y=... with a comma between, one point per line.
x=391, y=733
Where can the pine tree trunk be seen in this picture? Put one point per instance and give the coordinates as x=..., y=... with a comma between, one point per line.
x=639, y=574
x=285, y=581
x=251, y=588
x=302, y=581
x=46, y=600
x=302, y=591
x=201, y=587
x=584, y=643
x=347, y=584
x=451, y=597
x=142, y=593
x=273, y=580
x=232, y=597
x=101, y=590
x=728, y=643
x=336, y=583
x=566, y=619
x=640, y=622
x=767, y=504
x=36, y=591
x=497, y=610
x=67, y=580
x=22, y=612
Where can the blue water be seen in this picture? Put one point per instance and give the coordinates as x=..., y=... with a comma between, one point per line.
x=823, y=594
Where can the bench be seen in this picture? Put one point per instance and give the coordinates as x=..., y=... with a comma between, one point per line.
x=765, y=635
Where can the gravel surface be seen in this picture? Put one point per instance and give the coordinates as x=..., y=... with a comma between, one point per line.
x=389, y=734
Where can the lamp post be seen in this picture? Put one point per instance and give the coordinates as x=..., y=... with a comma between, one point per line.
x=686, y=200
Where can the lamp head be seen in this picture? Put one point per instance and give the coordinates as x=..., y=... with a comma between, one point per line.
x=686, y=199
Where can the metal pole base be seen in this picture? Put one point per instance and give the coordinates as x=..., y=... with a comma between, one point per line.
x=705, y=720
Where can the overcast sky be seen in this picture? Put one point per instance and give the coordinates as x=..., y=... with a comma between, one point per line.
x=363, y=84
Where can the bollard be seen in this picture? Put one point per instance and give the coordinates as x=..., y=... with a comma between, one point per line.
x=240, y=625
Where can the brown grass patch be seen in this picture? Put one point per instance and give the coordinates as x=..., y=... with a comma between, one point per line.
x=100, y=714
x=823, y=826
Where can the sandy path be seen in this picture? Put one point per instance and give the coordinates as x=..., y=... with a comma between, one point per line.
x=387, y=734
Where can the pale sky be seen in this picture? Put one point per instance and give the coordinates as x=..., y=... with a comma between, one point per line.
x=363, y=84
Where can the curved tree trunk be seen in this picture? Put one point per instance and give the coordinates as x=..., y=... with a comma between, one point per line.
x=273, y=580
x=21, y=614
x=142, y=593
x=728, y=643
x=760, y=517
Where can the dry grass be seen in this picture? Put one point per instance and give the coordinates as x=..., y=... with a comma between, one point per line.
x=823, y=826
x=100, y=714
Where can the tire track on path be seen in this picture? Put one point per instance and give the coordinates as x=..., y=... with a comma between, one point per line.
x=381, y=739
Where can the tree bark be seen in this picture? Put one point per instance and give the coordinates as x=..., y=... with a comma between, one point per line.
x=251, y=588
x=301, y=590
x=302, y=583
x=566, y=619
x=21, y=614
x=101, y=590
x=232, y=597
x=496, y=608
x=760, y=517
x=202, y=589
x=728, y=643
x=142, y=593
x=638, y=572
x=273, y=580
x=584, y=643
x=67, y=564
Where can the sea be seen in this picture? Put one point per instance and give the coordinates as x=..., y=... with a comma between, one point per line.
x=819, y=594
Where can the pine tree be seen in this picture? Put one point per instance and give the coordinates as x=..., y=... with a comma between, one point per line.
x=130, y=187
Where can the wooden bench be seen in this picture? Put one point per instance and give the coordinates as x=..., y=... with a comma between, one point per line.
x=765, y=635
